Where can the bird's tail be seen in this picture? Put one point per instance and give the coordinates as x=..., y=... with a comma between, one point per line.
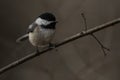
x=22, y=38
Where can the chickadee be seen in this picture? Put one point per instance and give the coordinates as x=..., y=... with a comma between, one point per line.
x=41, y=31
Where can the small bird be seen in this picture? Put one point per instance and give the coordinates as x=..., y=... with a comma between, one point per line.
x=41, y=32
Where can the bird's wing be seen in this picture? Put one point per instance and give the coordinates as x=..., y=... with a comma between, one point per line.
x=22, y=38
x=32, y=27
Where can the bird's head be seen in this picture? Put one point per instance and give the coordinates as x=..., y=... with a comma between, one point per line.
x=46, y=20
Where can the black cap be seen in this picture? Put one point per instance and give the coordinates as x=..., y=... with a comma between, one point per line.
x=48, y=16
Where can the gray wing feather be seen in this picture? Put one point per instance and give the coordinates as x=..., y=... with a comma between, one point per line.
x=32, y=27
x=22, y=38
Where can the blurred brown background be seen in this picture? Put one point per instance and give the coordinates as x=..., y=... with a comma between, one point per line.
x=78, y=60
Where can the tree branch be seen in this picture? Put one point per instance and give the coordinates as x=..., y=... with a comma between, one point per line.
x=99, y=42
x=67, y=40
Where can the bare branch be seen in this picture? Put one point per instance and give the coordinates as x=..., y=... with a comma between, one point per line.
x=65, y=41
x=85, y=22
x=102, y=46
x=99, y=42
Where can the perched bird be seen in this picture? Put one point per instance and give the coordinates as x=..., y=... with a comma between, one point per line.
x=41, y=31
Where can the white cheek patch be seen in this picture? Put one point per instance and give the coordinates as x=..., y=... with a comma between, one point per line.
x=40, y=21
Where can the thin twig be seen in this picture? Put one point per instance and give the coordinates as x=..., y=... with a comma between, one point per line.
x=99, y=42
x=102, y=46
x=85, y=22
x=65, y=41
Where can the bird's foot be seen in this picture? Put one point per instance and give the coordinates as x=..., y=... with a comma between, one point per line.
x=51, y=45
x=37, y=50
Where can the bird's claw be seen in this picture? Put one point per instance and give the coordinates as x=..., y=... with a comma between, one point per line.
x=51, y=45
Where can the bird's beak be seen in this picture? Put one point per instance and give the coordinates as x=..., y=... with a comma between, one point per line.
x=55, y=21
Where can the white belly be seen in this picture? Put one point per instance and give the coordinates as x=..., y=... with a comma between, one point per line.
x=41, y=37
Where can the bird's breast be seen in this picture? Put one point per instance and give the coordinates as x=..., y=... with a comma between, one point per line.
x=40, y=36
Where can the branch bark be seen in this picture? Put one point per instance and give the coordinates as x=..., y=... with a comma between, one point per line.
x=67, y=40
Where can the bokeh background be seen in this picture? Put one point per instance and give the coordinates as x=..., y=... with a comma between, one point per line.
x=82, y=59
